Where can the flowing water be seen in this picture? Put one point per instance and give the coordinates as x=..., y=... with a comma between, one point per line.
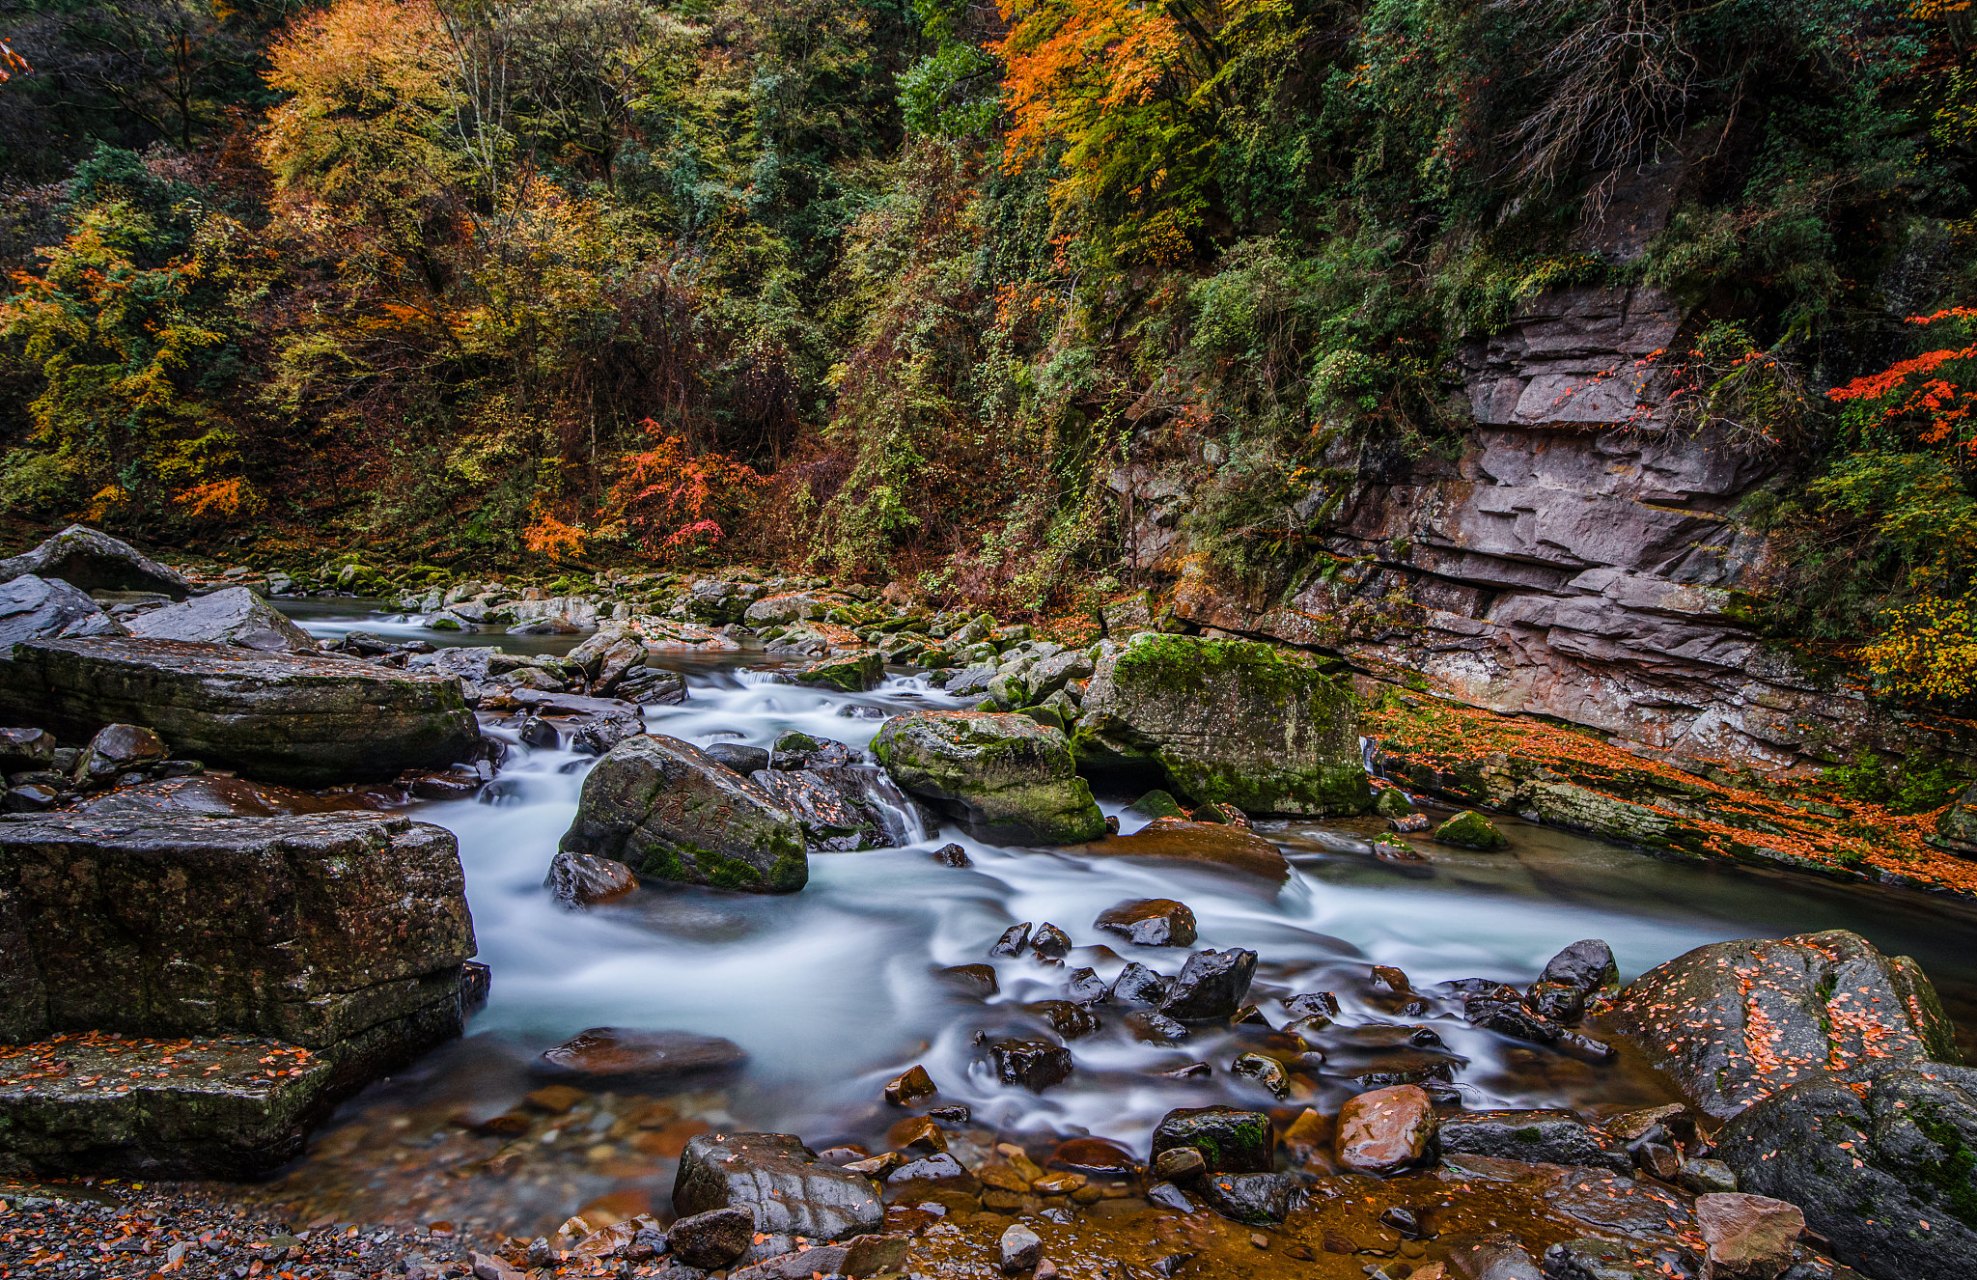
x=833, y=990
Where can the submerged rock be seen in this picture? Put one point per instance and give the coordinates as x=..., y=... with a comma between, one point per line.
x=93, y=561
x=1735, y=1021
x=219, y=796
x=235, y=616
x=790, y=1191
x=1748, y=1237
x=281, y=717
x=670, y=812
x=1034, y=1064
x=1004, y=772
x=614, y=1055
x=1227, y=720
x=1151, y=922
x=1199, y=842
x=1887, y=1171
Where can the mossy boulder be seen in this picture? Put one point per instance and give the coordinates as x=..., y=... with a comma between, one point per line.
x=1229, y=1140
x=849, y=672
x=1264, y=729
x=671, y=812
x=999, y=771
x=1471, y=830
x=1885, y=1171
x=1734, y=1022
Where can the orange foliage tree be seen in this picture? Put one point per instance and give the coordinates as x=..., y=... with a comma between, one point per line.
x=668, y=499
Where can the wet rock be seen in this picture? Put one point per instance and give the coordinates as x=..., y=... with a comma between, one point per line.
x=936, y=1167
x=1511, y=1018
x=665, y=809
x=713, y=1239
x=615, y=1056
x=1157, y=804
x=1586, y=966
x=1736, y=1021
x=1165, y=1195
x=833, y=821
x=1228, y=1139
x=1227, y=721
x=118, y=749
x=1012, y=941
x=1150, y=922
x=1179, y=1164
x=93, y=561
x=1549, y=1137
x=1019, y=1250
x=1705, y=1176
x=1386, y=1130
x=1471, y=830
x=910, y=1086
x=1092, y=1155
x=1005, y=773
x=1600, y=1259
x=1313, y=1004
x=975, y=979
x=1556, y=1002
x=1050, y=942
x=235, y=616
x=1749, y=1237
x=281, y=717
x=1139, y=985
x=857, y=1257
x=583, y=880
x=23, y=749
x=739, y=758
x=1255, y=1199
x=29, y=797
x=1212, y=985
x=849, y=672
x=1150, y=1026
x=1869, y=1164
x=1066, y=1018
x=1263, y=1070
x=790, y=1191
x=1497, y=1257
x=33, y=608
x=1203, y=843
x=219, y=796
x=952, y=855
x=1085, y=987
x=1584, y=1047
x=1034, y=1064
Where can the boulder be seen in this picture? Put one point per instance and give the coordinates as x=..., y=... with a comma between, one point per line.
x=670, y=812
x=582, y=880
x=1886, y=1170
x=1212, y=985
x=313, y=930
x=1228, y=1140
x=1539, y=1137
x=1748, y=1237
x=1150, y=922
x=1471, y=830
x=1586, y=966
x=790, y=1190
x=1385, y=1130
x=26, y=748
x=1209, y=843
x=609, y=656
x=93, y=561
x=33, y=608
x=1233, y=721
x=1735, y=1021
x=1003, y=772
x=292, y=718
x=235, y=616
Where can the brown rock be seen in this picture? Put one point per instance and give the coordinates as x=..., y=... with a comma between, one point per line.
x=910, y=1086
x=1151, y=922
x=1212, y=843
x=622, y=1056
x=1385, y=1130
x=1749, y=1237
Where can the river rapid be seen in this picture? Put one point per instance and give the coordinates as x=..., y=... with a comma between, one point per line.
x=834, y=990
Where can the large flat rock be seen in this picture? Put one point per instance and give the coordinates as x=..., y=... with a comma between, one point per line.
x=282, y=717
x=342, y=932
x=232, y=1107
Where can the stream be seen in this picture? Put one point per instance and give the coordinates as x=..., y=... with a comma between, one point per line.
x=832, y=991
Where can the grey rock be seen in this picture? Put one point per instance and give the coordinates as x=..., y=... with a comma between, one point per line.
x=93, y=561
x=33, y=608
x=235, y=616
x=790, y=1190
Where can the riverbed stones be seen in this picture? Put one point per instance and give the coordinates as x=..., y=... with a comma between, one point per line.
x=670, y=812
x=1019, y=1250
x=1202, y=843
x=1211, y=986
x=1226, y=1140
x=358, y=921
x=93, y=561
x=713, y=1239
x=33, y=608
x=1002, y=772
x=790, y=1191
x=1385, y=1130
x=1035, y=1065
x=1545, y=1136
x=1150, y=922
x=1264, y=729
x=1886, y=1170
x=235, y=616
x=291, y=718
x=1736, y=1021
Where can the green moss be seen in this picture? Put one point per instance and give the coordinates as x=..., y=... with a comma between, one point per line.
x=1954, y=1176
x=1158, y=804
x=1471, y=830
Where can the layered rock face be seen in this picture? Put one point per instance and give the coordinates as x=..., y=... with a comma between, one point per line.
x=191, y=996
x=1580, y=560
x=277, y=716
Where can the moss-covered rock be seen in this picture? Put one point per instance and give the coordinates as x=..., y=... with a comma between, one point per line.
x=1261, y=728
x=849, y=672
x=1003, y=772
x=671, y=812
x=1157, y=804
x=1471, y=830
